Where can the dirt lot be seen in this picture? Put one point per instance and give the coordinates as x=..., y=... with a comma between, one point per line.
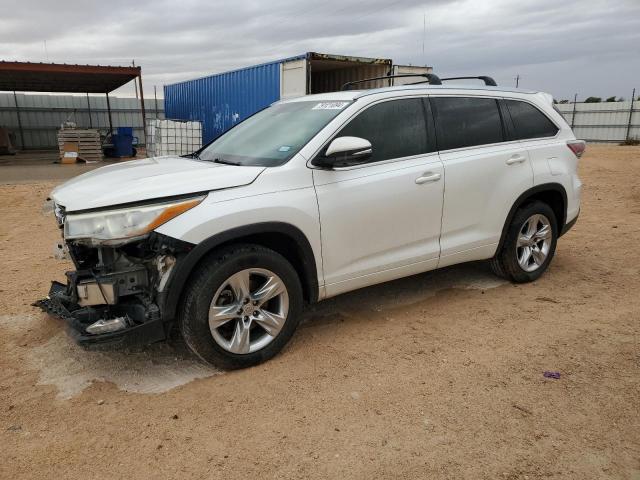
x=435, y=376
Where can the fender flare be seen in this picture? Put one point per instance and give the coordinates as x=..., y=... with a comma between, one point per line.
x=170, y=298
x=545, y=187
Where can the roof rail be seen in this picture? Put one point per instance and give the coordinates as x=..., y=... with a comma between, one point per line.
x=432, y=79
x=490, y=82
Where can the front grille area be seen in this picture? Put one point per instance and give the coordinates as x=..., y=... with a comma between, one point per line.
x=59, y=212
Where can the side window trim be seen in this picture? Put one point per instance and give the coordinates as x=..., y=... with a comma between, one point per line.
x=431, y=147
x=436, y=123
x=507, y=122
x=430, y=122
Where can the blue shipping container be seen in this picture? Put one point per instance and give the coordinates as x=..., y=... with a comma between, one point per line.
x=222, y=100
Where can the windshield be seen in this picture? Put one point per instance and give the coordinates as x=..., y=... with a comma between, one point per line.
x=271, y=137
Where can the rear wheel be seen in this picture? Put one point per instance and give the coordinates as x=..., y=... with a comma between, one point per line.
x=529, y=245
x=241, y=306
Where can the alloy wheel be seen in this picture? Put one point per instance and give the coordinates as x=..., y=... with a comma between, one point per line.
x=248, y=310
x=534, y=242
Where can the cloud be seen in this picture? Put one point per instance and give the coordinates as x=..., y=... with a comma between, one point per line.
x=560, y=47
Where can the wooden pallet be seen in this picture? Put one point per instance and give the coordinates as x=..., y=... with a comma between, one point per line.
x=88, y=140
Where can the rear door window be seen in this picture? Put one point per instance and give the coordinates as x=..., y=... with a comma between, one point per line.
x=466, y=121
x=396, y=129
x=529, y=122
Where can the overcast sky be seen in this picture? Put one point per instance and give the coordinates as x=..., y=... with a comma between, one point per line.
x=591, y=47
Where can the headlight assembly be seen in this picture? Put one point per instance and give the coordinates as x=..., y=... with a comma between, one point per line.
x=125, y=224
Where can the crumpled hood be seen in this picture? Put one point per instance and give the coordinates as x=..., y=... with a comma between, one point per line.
x=146, y=179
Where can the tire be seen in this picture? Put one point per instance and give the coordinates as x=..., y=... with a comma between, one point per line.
x=511, y=260
x=215, y=278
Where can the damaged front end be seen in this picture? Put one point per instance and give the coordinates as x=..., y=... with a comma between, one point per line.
x=112, y=298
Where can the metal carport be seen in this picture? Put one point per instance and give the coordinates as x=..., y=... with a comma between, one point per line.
x=60, y=77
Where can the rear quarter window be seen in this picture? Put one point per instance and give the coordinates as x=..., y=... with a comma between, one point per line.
x=467, y=122
x=529, y=122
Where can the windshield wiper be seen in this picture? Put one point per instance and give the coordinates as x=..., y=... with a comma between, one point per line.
x=226, y=162
x=191, y=155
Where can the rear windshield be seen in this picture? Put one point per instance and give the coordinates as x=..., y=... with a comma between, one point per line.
x=271, y=137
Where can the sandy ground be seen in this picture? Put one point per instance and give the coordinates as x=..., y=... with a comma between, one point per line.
x=19, y=169
x=434, y=376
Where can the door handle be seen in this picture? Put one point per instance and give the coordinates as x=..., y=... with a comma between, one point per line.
x=516, y=159
x=428, y=177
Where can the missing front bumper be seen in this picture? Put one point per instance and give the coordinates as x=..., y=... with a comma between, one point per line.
x=144, y=323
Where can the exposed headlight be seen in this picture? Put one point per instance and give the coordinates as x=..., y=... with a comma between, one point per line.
x=114, y=226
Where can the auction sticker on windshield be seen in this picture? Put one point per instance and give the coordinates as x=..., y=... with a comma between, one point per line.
x=330, y=106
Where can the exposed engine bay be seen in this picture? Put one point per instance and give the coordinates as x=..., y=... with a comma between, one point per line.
x=114, y=294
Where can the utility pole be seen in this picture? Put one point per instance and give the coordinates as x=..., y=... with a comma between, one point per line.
x=517, y=80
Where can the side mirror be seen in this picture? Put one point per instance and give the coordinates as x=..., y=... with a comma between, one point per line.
x=344, y=152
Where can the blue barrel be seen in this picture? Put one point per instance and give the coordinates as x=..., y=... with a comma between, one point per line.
x=123, y=142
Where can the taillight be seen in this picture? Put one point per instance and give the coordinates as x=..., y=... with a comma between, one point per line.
x=577, y=147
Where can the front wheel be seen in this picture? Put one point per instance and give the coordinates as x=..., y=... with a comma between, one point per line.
x=241, y=306
x=529, y=245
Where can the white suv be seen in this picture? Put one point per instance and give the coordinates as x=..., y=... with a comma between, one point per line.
x=310, y=198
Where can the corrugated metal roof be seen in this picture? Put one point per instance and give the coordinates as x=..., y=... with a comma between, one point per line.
x=60, y=77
